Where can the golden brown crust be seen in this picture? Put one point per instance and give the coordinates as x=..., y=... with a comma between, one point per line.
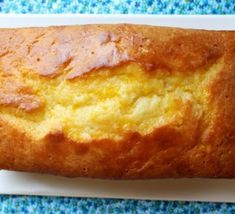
x=14, y=93
x=81, y=49
x=198, y=148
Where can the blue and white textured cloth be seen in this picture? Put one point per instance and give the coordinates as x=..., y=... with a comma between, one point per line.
x=119, y=6
x=39, y=204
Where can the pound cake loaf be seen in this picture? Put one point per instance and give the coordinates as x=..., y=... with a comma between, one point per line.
x=118, y=101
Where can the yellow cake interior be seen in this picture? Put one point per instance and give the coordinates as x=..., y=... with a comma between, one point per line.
x=111, y=102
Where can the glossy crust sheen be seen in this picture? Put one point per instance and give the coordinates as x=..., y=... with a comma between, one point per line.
x=194, y=149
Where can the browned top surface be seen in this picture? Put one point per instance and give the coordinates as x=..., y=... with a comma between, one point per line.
x=81, y=49
x=74, y=51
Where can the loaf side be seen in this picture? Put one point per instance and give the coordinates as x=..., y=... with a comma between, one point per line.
x=118, y=101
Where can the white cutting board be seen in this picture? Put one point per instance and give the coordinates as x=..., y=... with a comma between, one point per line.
x=221, y=190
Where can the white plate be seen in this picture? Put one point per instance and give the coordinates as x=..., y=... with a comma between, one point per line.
x=222, y=190
x=212, y=22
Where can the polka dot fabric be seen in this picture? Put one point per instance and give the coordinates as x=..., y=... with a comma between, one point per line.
x=43, y=204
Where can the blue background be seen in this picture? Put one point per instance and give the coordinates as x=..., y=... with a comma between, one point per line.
x=39, y=204
x=119, y=6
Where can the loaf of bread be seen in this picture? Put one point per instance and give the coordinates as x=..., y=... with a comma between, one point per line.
x=118, y=101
